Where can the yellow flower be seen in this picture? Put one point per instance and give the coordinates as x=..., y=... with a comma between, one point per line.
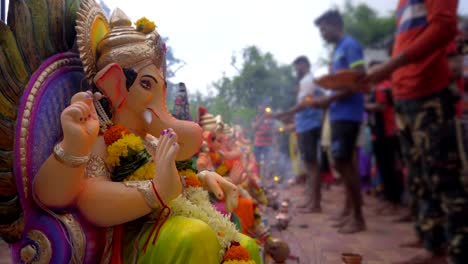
x=188, y=174
x=145, y=172
x=145, y=26
x=133, y=141
x=115, y=151
x=120, y=148
x=222, y=170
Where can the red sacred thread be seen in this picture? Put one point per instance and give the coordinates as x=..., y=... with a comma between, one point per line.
x=160, y=220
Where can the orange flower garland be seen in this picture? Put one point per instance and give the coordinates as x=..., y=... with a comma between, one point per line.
x=193, y=182
x=127, y=156
x=236, y=253
x=114, y=133
x=190, y=178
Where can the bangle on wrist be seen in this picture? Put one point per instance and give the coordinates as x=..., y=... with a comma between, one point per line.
x=146, y=189
x=67, y=159
x=182, y=180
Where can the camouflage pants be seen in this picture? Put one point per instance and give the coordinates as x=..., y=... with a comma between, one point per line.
x=437, y=185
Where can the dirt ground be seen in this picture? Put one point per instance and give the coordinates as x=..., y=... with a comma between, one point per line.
x=312, y=240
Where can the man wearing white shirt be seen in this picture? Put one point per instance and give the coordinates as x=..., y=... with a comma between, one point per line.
x=308, y=122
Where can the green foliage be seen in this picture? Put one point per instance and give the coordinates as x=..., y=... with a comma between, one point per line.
x=172, y=63
x=363, y=23
x=184, y=165
x=260, y=80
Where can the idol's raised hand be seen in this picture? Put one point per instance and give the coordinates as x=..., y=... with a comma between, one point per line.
x=221, y=188
x=80, y=125
x=167, y=176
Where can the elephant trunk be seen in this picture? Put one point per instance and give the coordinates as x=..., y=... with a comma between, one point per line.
x=189, y=134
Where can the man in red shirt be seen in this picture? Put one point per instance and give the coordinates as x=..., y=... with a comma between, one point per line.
x=264, y=129
x=385, y=143
x=464, y=50
x=426, y=111
x=455, y=59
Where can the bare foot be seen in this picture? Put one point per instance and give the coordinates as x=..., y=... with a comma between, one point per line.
x=339, y=217
x=312, y=210
x=342, y=222
x=407, y=218
x=304, y=204
x=353, y=226
x=382, y=208
x=426, y=258
x=391, y=210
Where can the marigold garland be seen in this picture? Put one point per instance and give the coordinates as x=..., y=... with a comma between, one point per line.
x=122, y=145
x=127, y=156
x=222, y=170
x=191, y=179
x=114, y=133
x=239, y=262
x=237, y=253
x=145, y=172
x=193, y=182
x=188, y=173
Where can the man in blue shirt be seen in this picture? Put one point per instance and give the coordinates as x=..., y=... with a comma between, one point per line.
x=308, y=122
x=346, y=110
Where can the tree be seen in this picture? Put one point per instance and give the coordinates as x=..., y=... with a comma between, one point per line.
x=260, y=79
x=172, y=63
x=365, y=25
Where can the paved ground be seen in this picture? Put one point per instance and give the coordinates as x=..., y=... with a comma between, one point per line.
x=313, y=240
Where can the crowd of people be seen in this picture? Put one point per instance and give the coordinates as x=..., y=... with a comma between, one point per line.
x=403, y=138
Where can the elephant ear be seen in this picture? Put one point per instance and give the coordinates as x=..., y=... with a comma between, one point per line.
x=111, y=81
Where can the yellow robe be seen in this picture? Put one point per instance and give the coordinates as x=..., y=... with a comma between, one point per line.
x=181, y=240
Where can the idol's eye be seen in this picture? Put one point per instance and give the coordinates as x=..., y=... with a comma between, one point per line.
x=146, y=84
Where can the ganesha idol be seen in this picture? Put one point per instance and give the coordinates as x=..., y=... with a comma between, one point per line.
x=218, y=154
x=251, y=180
x=248, y=181
x=95, y=148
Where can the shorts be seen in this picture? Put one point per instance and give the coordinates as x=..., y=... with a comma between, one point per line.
x=344, y=135
x=308, y=144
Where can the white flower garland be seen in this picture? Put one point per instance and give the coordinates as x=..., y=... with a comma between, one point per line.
x=196, y=204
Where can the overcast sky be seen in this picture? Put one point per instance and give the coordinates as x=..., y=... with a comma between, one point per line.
x=205, y=33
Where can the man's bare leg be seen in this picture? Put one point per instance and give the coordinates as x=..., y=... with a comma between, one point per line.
x=314, y=205
x=349, y=172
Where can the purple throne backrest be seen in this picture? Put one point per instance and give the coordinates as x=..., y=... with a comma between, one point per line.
x=38, y=129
